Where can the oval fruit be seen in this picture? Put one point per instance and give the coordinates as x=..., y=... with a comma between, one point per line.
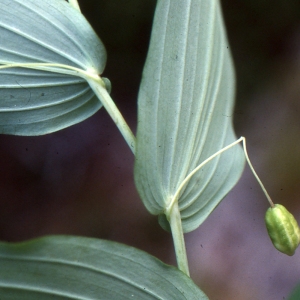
x=283, y=229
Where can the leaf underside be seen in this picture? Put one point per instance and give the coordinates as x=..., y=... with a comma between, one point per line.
x=66, y=267
x=185, y=109
x=34, y=102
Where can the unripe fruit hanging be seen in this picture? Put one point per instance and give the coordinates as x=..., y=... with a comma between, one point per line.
x=283, y=229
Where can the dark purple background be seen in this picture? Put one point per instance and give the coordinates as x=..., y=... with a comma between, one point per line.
x=80, y=180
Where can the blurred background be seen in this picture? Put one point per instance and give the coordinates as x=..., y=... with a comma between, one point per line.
x=80, y=180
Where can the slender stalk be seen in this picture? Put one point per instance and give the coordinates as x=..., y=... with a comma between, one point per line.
x=48, y=67
x=97, y=86
x=241, y=139
x=255, y=174
x=173, y=215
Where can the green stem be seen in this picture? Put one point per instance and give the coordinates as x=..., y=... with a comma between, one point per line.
x=173, y=216
x=255, y=174
x=241, y=139
x=97, y=86
x=173, y=213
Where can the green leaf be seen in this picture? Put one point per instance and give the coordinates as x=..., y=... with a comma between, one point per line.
x=34, y=102
x=65, y=267
x=185, y=110
x=295, y=295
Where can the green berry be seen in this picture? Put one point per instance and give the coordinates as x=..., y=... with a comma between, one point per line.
x=283, y=229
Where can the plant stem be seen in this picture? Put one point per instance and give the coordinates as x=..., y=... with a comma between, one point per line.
x=241, y=139
x=97, y=86
x=254, y=173
x=174, y=218
x=173, y=214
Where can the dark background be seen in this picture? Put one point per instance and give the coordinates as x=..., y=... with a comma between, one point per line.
x=80, y=180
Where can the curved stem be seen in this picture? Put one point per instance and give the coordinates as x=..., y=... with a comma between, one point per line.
x=173, y=213
x=255, y=174
x=174, y=219
x=51, y=67
x=241, y=139
x=97, y=86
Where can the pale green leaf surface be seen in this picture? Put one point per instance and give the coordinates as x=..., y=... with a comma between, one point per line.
x=34, y=102
x=185, y=110
x=65, y=267
x=295, y=295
